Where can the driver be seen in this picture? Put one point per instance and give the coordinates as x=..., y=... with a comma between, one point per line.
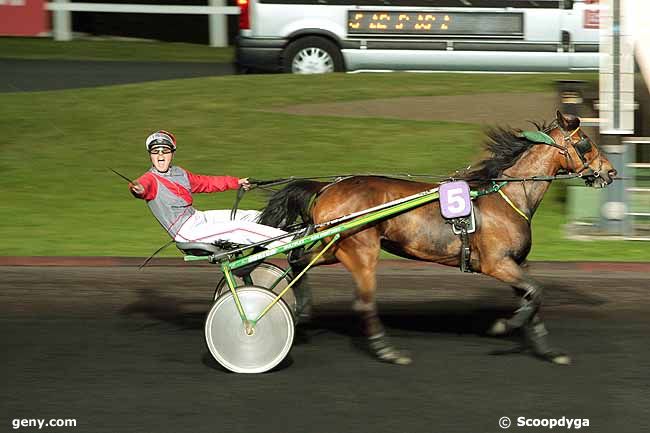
x=168, y=190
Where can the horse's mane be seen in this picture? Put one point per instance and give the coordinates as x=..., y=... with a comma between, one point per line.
x=505, y=145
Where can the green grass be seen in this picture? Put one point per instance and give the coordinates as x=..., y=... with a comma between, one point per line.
x=61, y=199
x=41, y=48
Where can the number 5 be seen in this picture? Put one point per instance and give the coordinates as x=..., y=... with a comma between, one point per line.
x=456, y=200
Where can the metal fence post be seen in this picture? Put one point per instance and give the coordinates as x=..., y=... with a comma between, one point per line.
x=616, y=101
x=614, y=209
x=61, y=24
x=218, y=26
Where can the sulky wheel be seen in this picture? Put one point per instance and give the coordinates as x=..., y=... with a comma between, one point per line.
x=264, y=275
x=265, y=344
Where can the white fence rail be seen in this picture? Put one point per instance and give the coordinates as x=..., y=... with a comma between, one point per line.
x=216, y=10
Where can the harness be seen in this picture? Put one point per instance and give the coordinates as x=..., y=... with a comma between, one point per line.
x=512, y=205
x=582, y=147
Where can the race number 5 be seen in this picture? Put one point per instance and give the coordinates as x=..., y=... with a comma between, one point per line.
x=455, y=201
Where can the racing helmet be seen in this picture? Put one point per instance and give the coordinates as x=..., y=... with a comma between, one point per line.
x=160, y=138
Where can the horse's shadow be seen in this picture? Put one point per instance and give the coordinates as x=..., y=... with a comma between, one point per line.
x=458, y=317
x=401, y=319
x=452, y=317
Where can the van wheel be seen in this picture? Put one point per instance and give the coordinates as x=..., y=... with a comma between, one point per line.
x=312, y=55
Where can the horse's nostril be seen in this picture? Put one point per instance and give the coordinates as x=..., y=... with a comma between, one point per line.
x=612, y=173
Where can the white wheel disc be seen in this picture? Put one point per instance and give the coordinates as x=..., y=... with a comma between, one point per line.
x=312, y=60
x=266, y=346
x=265, y=275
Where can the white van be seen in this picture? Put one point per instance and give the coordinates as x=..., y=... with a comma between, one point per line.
x=317, y=36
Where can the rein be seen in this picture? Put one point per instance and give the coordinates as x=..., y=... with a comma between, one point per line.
x=536, y=137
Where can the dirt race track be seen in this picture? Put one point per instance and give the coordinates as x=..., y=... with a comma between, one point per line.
x=121, y=350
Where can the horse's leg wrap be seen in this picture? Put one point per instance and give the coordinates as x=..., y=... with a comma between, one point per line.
x=529, y=304
x=370, y=324
x=302, y=291
x=525, y=317
x=378, y=344
x=381, y=347
x=536, y=336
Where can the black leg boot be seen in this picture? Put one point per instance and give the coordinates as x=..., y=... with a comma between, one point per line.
x=302, y=291
x=536, y=337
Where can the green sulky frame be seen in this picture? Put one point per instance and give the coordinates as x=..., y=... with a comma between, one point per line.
x=227, y=266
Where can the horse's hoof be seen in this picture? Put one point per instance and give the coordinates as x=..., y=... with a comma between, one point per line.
x=561, y=359
x=498, y=328
x=404, y=360
x=385, y=352
x=393, y=356
x=557, y=358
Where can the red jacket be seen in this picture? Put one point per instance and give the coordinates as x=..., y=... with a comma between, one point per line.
x=169, y=195
x=197, y=183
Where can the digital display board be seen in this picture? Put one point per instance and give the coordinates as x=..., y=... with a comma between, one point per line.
x=493, y=24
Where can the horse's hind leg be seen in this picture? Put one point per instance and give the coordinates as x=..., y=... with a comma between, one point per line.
x=359, y=254
x=526, y=316
x=302, y=289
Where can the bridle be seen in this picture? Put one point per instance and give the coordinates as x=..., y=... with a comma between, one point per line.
x=582, y=147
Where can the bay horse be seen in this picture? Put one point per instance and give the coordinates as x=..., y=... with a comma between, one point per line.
x=499, y=246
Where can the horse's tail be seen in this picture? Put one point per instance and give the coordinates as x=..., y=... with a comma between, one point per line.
x=289, y=203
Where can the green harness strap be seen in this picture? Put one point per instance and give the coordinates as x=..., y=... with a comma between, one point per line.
x=491, y=190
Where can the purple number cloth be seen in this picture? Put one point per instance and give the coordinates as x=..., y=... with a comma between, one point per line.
x=455, y=201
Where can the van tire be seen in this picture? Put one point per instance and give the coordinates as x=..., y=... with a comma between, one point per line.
x=313, y=42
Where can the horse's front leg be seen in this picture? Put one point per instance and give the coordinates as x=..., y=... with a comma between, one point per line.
x=526, y=317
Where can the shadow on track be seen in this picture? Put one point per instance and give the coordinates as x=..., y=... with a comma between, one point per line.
x=458, y=317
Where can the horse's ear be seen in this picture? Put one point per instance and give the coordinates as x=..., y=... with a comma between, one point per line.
x=568, y=122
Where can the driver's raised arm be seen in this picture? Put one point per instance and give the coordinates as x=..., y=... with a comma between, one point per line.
x=144, y=187
x=202, y=183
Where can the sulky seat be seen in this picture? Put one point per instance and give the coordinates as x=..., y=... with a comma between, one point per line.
x=217, y=248
x=203, y=248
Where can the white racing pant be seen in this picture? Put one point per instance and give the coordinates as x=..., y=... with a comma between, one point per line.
x=212, y=225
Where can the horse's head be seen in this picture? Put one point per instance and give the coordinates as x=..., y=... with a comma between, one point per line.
x=580, y=153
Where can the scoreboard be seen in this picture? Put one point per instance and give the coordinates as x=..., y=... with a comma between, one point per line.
x=457, y=24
